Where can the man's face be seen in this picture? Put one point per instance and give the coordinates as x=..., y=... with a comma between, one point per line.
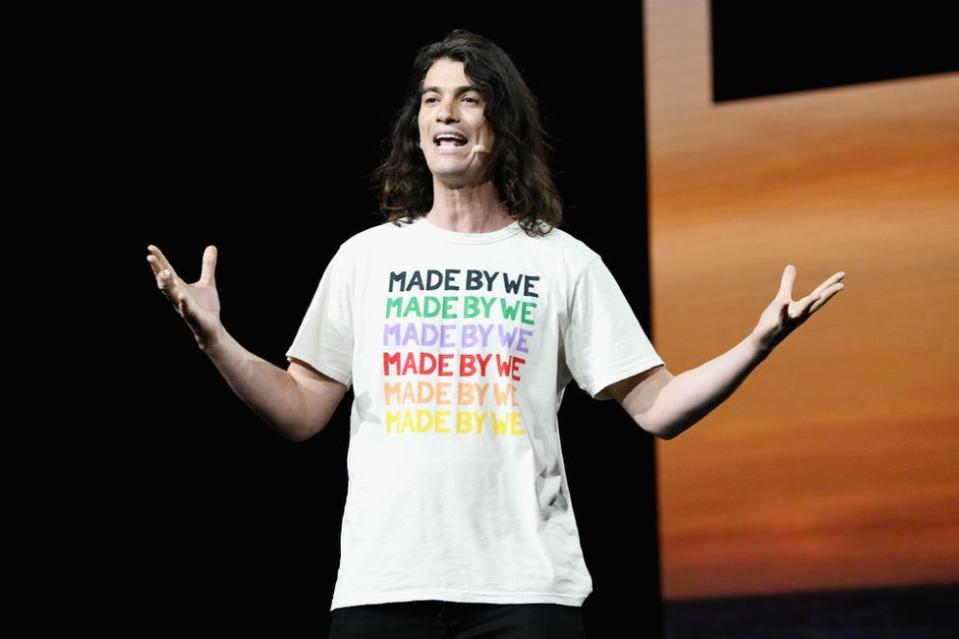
x=447, y=104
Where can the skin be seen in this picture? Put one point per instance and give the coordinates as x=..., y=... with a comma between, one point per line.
x=784, y=315
x=464, y=195
x=197, y=303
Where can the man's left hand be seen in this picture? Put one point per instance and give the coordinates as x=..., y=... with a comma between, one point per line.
x=784, y=314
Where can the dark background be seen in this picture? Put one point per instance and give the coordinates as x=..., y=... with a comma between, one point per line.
x=774, y=48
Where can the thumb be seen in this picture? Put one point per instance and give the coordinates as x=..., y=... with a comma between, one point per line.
x=208, y=274
x=786, y=284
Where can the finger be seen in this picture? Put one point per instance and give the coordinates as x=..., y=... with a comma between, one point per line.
x=158, y=269
x=162, y=262
x=154, y=260
x=835, y=277
x=786, y=284
x=804, y=304
x=826, y=296
x=167, y=284
x=154, y=265
x=208, y=274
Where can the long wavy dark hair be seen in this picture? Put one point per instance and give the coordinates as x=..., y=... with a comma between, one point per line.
x=521, y=175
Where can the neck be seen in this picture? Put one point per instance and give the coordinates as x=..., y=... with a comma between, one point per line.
x=468, y=209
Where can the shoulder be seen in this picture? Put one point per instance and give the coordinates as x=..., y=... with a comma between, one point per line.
x=371, y=238
x=573, y=252
x=559, y=241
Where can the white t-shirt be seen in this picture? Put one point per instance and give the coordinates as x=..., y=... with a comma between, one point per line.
x=459, y=347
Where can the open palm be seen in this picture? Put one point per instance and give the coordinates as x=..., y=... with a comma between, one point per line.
x=784, y=314
x=197, y=303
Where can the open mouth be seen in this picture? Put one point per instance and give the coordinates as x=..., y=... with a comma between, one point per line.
x=449, y=140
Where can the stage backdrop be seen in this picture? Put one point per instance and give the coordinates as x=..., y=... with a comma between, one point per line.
x=834, y=465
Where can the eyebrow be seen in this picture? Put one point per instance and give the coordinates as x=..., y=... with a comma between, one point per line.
x=457, y=91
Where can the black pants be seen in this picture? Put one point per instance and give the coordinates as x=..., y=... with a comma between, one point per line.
x=434, y=619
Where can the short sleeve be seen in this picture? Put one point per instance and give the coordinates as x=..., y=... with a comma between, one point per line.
x=325, y=337
x=604, y=341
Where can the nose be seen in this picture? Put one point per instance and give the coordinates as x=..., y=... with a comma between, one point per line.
x=446, y=111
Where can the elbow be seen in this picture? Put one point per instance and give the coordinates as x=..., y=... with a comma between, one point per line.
x=672, y=430
x=651, y=428
x=660, y=433
x=655, y=427
x=295, y=436
x=666, y=435
x=285, y=431
x=307, y=433
x=658, y=429
x=297, y=433
x=301, y=435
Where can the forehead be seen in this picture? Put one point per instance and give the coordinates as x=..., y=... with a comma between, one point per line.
x=446, y=74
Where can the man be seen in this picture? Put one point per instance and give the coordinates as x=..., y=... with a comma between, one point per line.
x=459, y=322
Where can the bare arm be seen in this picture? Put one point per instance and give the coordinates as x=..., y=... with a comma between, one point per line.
x=297, y=403
x=686, y=398
x=666, y=405
x=321, y=395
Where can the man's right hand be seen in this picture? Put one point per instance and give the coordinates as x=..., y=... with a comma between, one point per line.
x=198, y=303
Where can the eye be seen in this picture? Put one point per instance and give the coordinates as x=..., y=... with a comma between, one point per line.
x=428, y=100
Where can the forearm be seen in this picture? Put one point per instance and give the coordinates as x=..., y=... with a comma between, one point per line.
x=267, y=389
x=691, y=395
